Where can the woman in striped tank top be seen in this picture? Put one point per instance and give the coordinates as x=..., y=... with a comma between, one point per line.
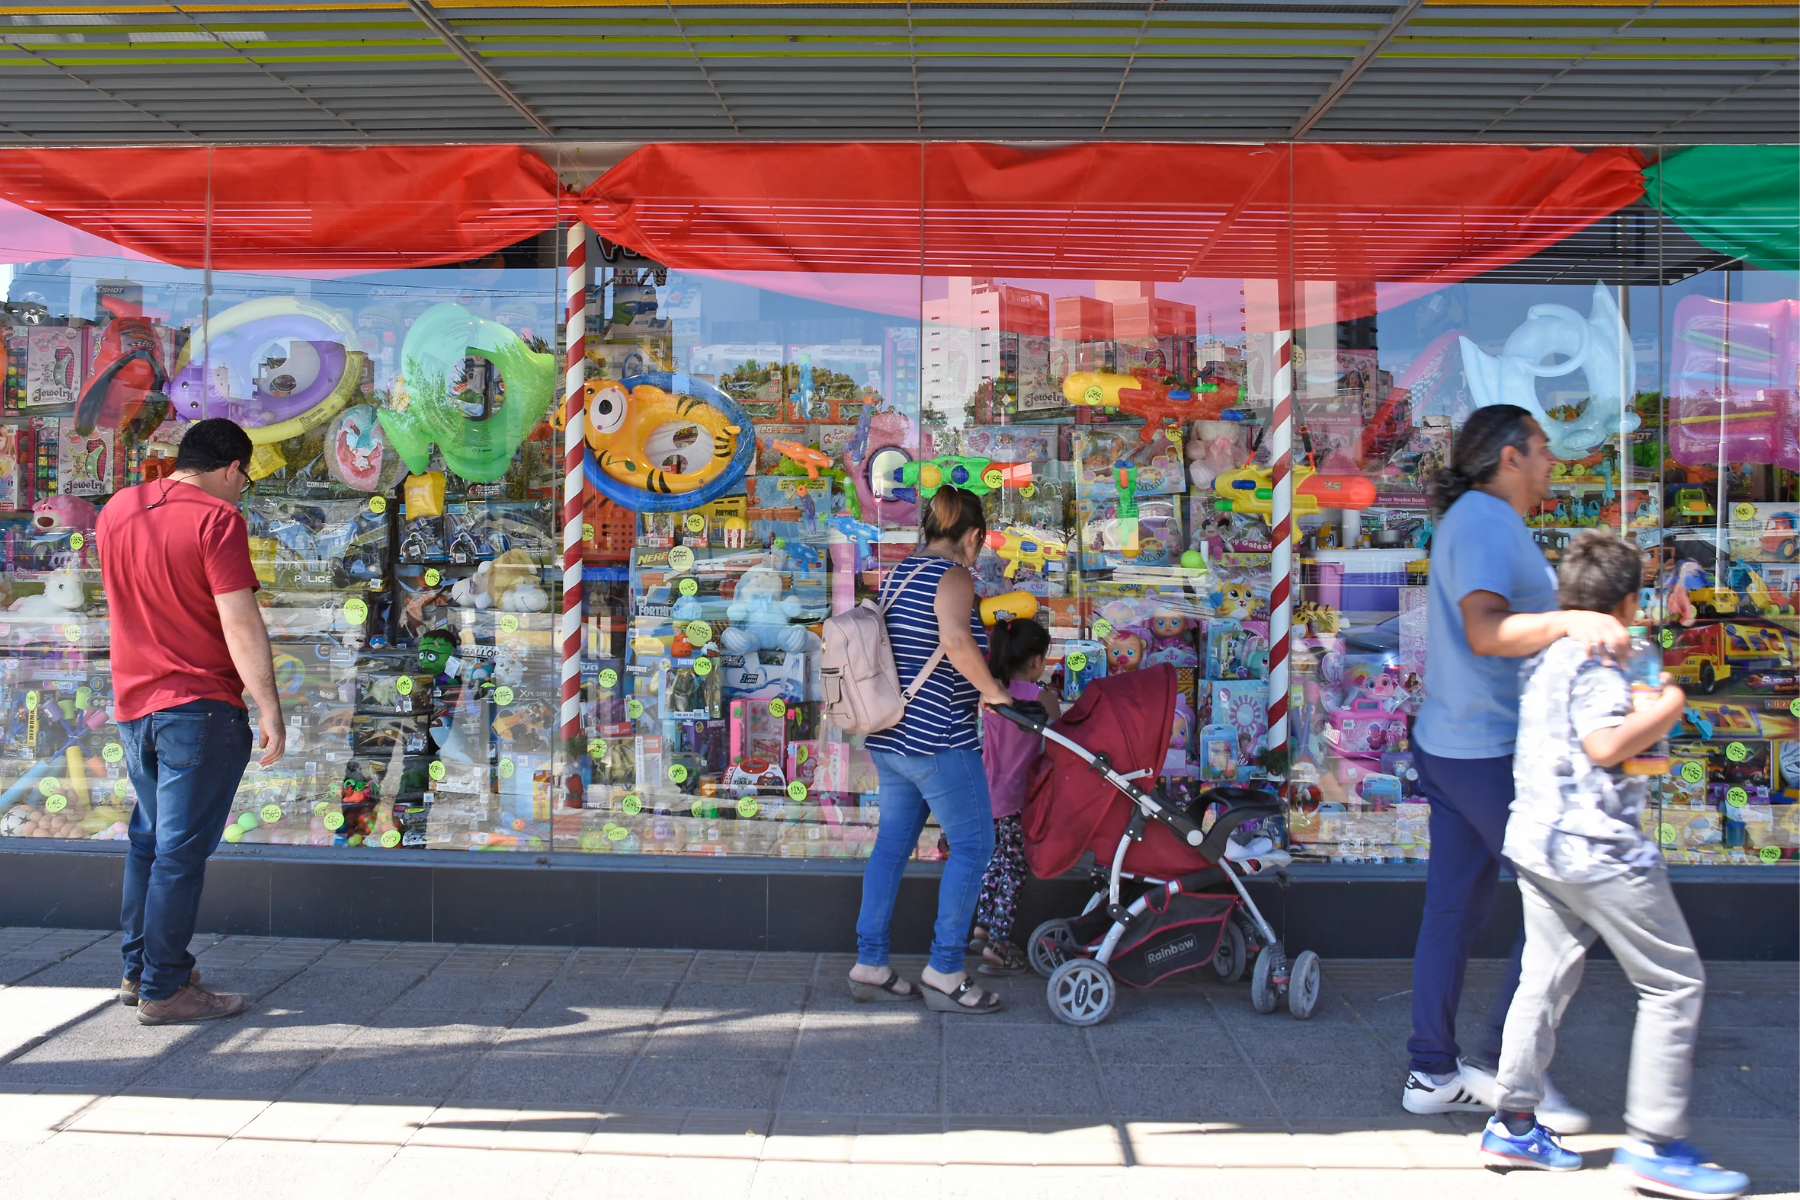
x=931, y=760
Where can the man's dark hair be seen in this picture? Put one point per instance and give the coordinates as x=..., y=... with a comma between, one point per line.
x=1597, y=571
x=213, y=443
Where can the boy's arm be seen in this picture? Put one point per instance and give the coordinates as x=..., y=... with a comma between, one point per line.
x=1638, y=732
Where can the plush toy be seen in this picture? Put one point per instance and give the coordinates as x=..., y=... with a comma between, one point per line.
x=474, y=591
x=761, y=619
x=357, y=452
x=62, y=512
x=1213, y=448
x=514, y=583
x=62, y=594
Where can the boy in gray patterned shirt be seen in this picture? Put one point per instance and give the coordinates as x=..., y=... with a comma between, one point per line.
x=1585, y=868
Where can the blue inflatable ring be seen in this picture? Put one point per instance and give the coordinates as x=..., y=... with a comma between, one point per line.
x=732, y=477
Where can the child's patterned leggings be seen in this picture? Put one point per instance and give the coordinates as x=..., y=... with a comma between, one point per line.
x=998, y=906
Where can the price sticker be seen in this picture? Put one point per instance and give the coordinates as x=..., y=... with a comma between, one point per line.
x=509, y=623
x=377, y=504
x=1794, y=707
x=778, y=708
x=703, y=667
x=1737, y=752
x=270, y=814
x=318, y=808
x=617, y=833
x=1028, y=491
x=1093, y=395
x=404, y=685
x=1102, y=627
x=634, y=709
x=333, y=821
x=507, y=768
x=1737, y=797
x=681, y=558
x=688, y=586
x=1077, y=661
x=631, y=805
x=1769, y=854
x=587, y=531
x=1693, y=772
x=1744, y=512
x=72, y=632
x=49, y=785
x=609, y=678
x=77, y=541
x=503, y=695
x=697, y=808
x=433, y=577
x=1667, y=638
x=31, y=701
x=797, y=790
x=1666, y=833
x=801, y=754
x=56, y=803
x=992, y=478
x=112, y=752
x=355, y=611
x=592, y=841
x=699, y=633
x=695, y=523
x=596, y=747
x=779, y=543
x=390, y=839
x=678, y=773
x=747, y=807
x=437, y=771
x=121, y=788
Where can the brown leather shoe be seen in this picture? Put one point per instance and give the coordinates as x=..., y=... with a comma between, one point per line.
x=128, y=988
x=191, y=1003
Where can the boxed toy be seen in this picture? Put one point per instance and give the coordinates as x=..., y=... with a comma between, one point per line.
x=1083, y=659
x=1112, y=537
x=1243, y=705
x=1101, y=451
x=55, y=362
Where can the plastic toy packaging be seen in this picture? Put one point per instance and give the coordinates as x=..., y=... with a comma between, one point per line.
x=1112, y=536
x=1084, y=659
x=1732, y=381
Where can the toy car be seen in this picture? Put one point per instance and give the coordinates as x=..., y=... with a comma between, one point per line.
x=1691, y=503
x=1781, y=536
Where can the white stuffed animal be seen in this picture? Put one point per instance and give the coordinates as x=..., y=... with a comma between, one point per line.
x=62, y=594
x=525, y=597
x=472, y=590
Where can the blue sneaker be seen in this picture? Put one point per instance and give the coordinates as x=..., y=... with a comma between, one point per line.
x=1677, y=1169
x=1535, y=1151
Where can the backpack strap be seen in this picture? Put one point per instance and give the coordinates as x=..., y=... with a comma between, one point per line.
x=937, y=656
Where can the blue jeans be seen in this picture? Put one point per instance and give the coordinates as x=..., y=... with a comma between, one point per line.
x=1470, y=799
x=953, y=787
x=185, y=763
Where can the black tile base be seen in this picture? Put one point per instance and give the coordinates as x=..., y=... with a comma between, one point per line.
x=556, y=900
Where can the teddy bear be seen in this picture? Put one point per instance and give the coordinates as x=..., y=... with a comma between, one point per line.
x=1212, y=448
x=761, y=618
x=62, y=594
x=514, y=583
x=63, y=512
x=474, y=591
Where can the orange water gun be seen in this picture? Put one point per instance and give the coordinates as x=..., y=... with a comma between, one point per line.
x=1147, y=394
x=806, y=456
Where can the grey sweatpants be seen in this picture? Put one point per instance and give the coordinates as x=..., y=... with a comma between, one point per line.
x=1637, y=915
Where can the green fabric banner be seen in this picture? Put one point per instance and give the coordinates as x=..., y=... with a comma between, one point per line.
x=1738, y=200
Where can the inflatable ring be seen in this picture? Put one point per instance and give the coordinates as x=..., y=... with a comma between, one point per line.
x=618, y=462
x=273, y=398
x=437, y=406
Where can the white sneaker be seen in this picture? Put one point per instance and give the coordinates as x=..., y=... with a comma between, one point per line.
x=1555, y=1112
x=1426, y=1097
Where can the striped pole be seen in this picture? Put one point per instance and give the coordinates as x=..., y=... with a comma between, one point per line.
x=574, y=376
x=1281, y=523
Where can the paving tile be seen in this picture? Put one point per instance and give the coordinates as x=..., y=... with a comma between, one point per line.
x=35, y=1116
x=108, y=1049
x=409, y=1071
x=282, y=1171
x=1318, y=1091
x=1180, y=1092
x=187, y=1116
x=682, y=1034
x=629, y=1175
x=539, y=1079
x=323, y=987
x=974, y=1041
x=445, y=991
x=295, y=1120
x=586, y=1037
x=261, y=1060
x=887, y=1032
x=863, y=1087
x=1023, y=1089
x=377, y=1120
x=739, y=999
x=681, y=1083
x=432, y=1170
x=1198, y=1044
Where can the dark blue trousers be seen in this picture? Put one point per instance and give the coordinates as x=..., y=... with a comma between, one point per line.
x=1470, y=799
x=185, y=763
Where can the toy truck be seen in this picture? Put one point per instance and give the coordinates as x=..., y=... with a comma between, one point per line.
x=1707, y=655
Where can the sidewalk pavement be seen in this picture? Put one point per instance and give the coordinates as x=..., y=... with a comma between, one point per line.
x=371, y=1069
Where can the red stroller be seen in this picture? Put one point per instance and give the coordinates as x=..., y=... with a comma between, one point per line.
x=1185, y=917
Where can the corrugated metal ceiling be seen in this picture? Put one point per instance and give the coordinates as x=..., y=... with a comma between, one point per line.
x=1163, y=70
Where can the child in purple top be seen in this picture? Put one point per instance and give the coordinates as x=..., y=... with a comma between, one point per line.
x=1016, y=652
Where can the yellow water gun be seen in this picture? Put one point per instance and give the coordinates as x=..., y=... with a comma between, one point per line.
x=1022, y=547
x=1252, y=490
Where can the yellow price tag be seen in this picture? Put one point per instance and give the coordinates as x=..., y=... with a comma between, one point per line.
x=1737, y=797
x=688, y=587
x=507, y=768
x=703, y=667
x=72, y=632
x=1077, y=661
x=433, y=577
x=1769, y=854
x=695, y=523
x=333, y=821
x=681, y=558
x=378, y=504
x=678, y=772
x=631, y=805
x=747, y=807
x=121, y=788
x=112, y=752
x=56, y=803
x=699, y=633
x=634, y=709
x=1667, y=834
x=390, y=839
x=1737, y=752
x=270, y=814
x=1102, y=628
x=587, y=535
x=592, y=841
x=404, y=685
x=617, y=833
x=1744, y=512
x=503, y=695
x=609, y=678
x=797, y=790
x=77, y=541
x=778, y=708
x=509, y=623
x=437, y=770
x=1693, y=772
x=355, y=611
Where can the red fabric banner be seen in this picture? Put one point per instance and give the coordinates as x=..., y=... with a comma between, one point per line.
x=293, y=207
x=1416, y=214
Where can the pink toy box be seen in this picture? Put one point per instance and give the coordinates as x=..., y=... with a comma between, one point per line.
x=1366, y=727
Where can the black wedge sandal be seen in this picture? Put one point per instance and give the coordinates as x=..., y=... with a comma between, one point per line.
x=887, y=989
x=938, y=1000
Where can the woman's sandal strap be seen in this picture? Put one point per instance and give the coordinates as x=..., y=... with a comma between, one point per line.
x=969, y=985
x=890, y=984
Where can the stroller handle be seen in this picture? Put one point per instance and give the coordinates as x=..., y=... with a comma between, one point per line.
x=1028, y=715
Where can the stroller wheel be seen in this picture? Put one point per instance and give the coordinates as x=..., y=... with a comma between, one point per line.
x=1263, y=996
x=1081, y=992
x=1051, y=945
x=1230, y=958
x=1303, y=985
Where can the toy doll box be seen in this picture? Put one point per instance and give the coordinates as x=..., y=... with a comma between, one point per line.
x=1365, y=727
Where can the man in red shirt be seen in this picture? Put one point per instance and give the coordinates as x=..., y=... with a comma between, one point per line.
x=187, y=640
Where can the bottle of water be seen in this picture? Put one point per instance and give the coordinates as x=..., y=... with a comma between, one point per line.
x=1645, y=674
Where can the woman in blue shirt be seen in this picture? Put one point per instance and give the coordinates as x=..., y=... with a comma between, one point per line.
x=931, y=760
x=1491, y=605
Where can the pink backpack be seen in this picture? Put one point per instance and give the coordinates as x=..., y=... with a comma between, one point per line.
x=856, y=668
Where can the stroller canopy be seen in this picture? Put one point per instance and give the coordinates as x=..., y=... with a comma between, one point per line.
x=1069, y=808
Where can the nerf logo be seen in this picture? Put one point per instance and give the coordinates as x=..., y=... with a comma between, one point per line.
x=1185, y=945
